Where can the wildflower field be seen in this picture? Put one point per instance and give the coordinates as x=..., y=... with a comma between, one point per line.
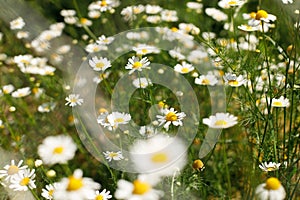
x=148, y=100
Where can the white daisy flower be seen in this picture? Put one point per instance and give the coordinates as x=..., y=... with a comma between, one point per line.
x=148, y=131
x=161, y=155
x=101, y=77
x=233, y=80
x=57, y=149
x=143, y=49
x=103, y=40
x=22, y=34
x=135, y=64
x=141, y=82
x=230, y=3
x=281, y=102
x=110, y=155
x=113, y=120
x=99, y=64
x=247, y=28
x=17, y=23
x=75, y=187
x=270, y=190
x=264, y=16
x=176, y=53
x=209, y=79
x=195, y=6
x=93, y=47
x=170, y=116
x=46, y=107
x=216, y=14
x=189, y=28
x=169, y=15
x=23, y=181
x=184, y=68
x=139, y=189
x=268, y=167
x=7, y=89
x=104, y=195
x=152, y=9
x=287, y=1
x=21, y=92
x=220, y=120
x=73, y=100
x=48, y=191
x=11, y=170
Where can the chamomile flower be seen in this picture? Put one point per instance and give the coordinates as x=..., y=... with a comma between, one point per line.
x=268, y=167
x=270, y=190
x=21, y=92
x=48, y=191
x=17, y=23
x=233, y=80
x=141, y=82
x=230, y=3
x=136, y=64
x=209, y=79
x=247, y=28
x=23, y=181
x=7, y=89
x=75, y=187
x=73, y=100
x=113, y=120
x=287, y=1
x=161, y=155
x=110, y=155
x=103, y=40
x=104, y=195
x=169, y=15
x=147, y=131
x=152, y=9
x=281, y=102
x=46, y=107
x=264, y=16
x=143, y=49
x=57, y=149
x=216, y=14
x=99, y=64
x=184, y=68
x=170, y=116
x=220, y=120
x=11, y=170
x=139, y=189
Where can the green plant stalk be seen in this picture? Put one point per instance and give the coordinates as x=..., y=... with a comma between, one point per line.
x=34, y=194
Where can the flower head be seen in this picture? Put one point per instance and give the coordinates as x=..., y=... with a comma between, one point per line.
x=11, y=170
x=23, y=180
x=104, y=195
x=48, y=191
x=184, y=68
x=220, y=120
x=160, y=154
x=281, y=102
x=170, y=116
x=136, y=64
x=75, y=187
x=99, y=64
x=268, y=167
x=141, y=82
x=17, y=23
x=57, y=149
x=271, y=189
x=110, y=155
x=73, y=100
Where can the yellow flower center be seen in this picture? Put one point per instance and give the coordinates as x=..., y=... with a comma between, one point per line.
x=83, y=20
x=272, y=183
x=99, y=197
x=252, y=15
x=171, y=116
x=58, y=150
x=233, y=82
x=261, y=14
x=119, y=120
x=74, y=183
x=51, y=192
x=198, y=164
x=100, y=65
x=174, y=29
x=103, y=3
x=140, y=187
x=112, y=155
x=220, y=123
x=144, y=50
x=13, y=169
x=232, y=3
x=137, y=65
x=25, y=181
x=159, y=158
x=277, y=103
x=269, y=169
x=205, y=81
x=185, y=70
